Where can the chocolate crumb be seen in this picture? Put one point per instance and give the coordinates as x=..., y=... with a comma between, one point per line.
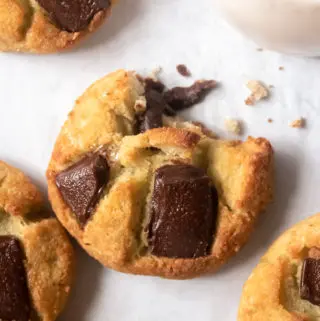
x=183, y=70
x=281, y=68
x=270, y=120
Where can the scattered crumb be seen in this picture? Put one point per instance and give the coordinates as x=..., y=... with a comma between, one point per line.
x=140, y=104
x=270, y=120
x=233, y=126
x=259, y=49
x=250, y=101
x=183, y=70
x=155, y=73
x=271, y=86
x=258, y=92
x=298, y=123
x=281, y=68
x=314, y=253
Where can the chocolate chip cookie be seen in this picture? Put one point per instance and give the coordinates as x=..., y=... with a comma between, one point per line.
x=36, y=258
x=143, y=191
x=43, y=26
x=285, y=286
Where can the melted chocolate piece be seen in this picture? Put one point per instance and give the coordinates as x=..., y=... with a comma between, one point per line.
x=180, y=98
x=151, y=84
x=183, y=212
x=168, y=102
x=73, y=15
x=154, y=112
x=183, y=70
x=152, y=117
x=156, y=85
x=310, y=281
x=14, y=296
x=82, y=184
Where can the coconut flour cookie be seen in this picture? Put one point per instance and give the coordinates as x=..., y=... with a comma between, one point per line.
x=146, y=193
x=285, y=286
x=36, y=258
x=43, y=26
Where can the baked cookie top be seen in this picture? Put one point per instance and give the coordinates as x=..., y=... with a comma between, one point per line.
x=147, y=193
x=286, y=283
x=36, y=258
x=44, y=26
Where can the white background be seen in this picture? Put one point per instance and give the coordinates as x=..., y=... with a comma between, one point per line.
x=37, y=92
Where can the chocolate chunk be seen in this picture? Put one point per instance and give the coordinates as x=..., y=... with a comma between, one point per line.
x=310, y=281
x=73, y=15
x=180, y=98
x=82, y=184
x=14, y=294
x=183, y=70
x=183, y=212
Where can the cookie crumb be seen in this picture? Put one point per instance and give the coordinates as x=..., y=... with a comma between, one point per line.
x=258, y=92
x=140, y=104
x=233, y=126
x=298, y=123
x=281, y=68
x=183, y=70
x=271, y=86
x=270, y=120
x=314, y=253
x=259, y=49
x=155, y=73
x=249, y=101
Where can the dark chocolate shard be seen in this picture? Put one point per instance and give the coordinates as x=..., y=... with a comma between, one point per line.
x=73, y=15
x=152, y=117
x=183, y=212
x=14, y=294
x=154, y=112
x=310, y=281
x=183, y=70
x=179, y=98
x=151, y=84
x=82, y=185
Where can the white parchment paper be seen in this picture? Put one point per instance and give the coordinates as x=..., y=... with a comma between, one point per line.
x=37, y=92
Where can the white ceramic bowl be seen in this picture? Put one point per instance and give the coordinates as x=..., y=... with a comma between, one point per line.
x=290, y=26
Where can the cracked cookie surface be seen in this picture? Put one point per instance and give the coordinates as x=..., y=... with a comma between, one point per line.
x=44, y=26
x=142, y=200
x=36, y=257
x=285, y=284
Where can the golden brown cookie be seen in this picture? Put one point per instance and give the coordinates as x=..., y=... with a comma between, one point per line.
x=147, y=193
x=44, y=26
x=36, y=258
x=285, y=286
